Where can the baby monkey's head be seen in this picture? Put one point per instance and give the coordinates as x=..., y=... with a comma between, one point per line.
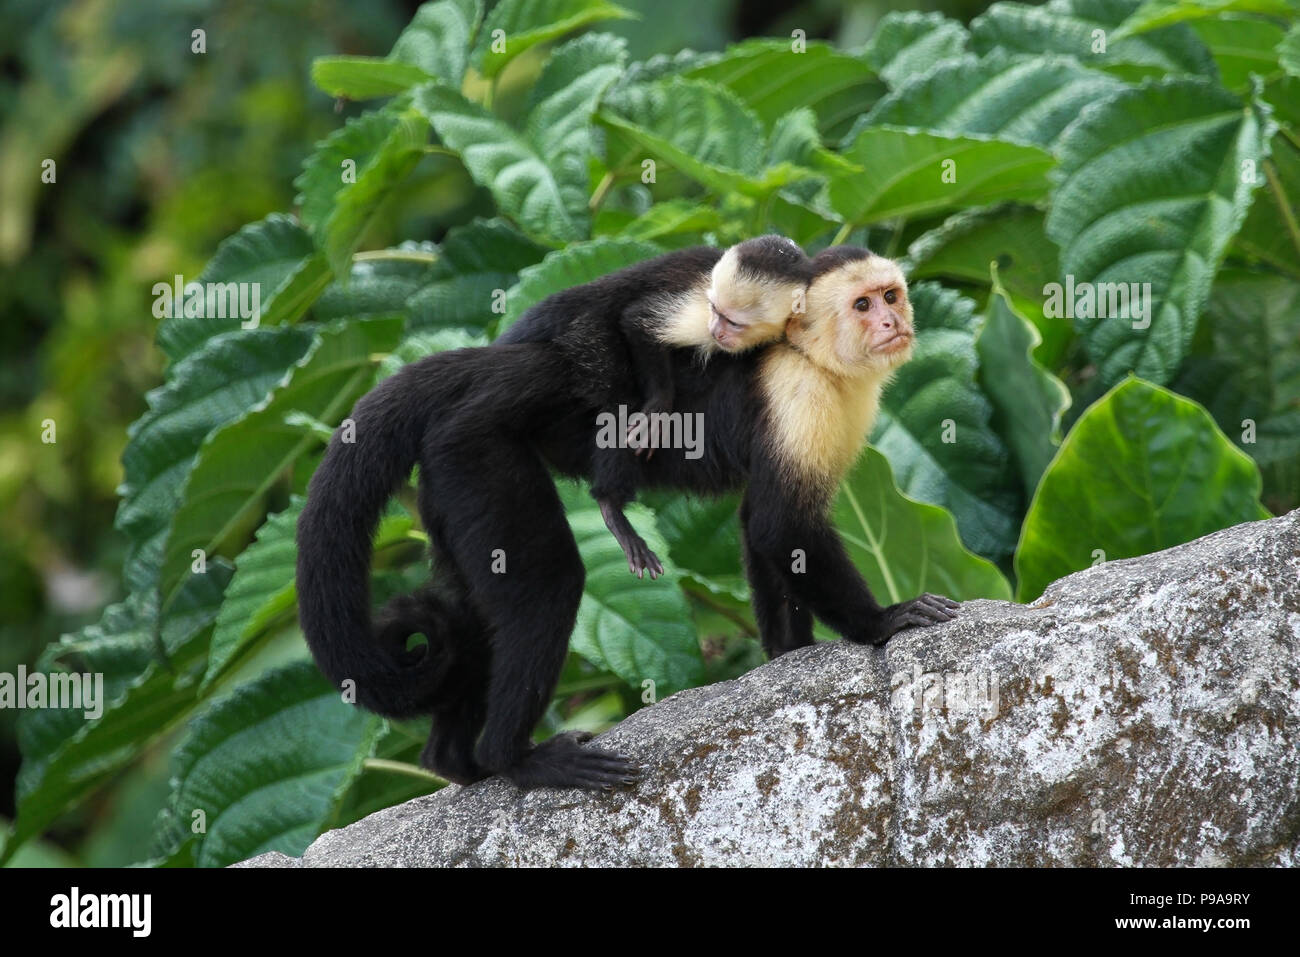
x=859, y=318
x=756, y=286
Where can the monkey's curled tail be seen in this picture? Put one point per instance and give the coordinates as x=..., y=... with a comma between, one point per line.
x=344, y=502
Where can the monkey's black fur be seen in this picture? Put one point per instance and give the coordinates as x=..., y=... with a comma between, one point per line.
x=483, y=424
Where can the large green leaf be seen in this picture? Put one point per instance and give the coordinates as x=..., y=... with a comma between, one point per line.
x=772, y=80
x=935, y=426
x=1153, y=14
x=1241, y=46
x=365, y=77
x=1028, y=401
x=238, y=464
x=698, y=128
x=267, y=768
x=514, y=26
x=916, y=169
x=1087, y=29
x=380, y=282
x=434, y=46
x=351, y=172
x=1142, y=469
x=572, y=266
x=635, y=627
x=1012, y=236
x=1152, y=186
x=1249, y=374
x=908, y=43
x=277, y=256
x=1024, y=99
x=477, y=262
x=1271, y=232
x=213, y=386
x=439, y=38
x=548, y=203
x=903, y=547
x=67, y=756
x=704, y=539
x=1288, y=51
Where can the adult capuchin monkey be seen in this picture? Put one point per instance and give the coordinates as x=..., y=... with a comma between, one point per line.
x=783, y=422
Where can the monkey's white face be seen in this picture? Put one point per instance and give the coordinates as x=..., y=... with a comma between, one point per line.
x=744, y=312
x=859, y=318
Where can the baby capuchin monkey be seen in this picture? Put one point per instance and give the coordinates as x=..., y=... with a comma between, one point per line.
x=618, y=333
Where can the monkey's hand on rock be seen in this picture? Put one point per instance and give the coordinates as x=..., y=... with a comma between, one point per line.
x=563, y=762
x=920, y=612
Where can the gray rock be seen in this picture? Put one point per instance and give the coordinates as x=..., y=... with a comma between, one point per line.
x=1142, y=712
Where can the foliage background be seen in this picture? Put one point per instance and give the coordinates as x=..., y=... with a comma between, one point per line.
x=1123, y=165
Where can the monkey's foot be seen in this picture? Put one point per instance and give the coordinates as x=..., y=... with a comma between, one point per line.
x=918, y=613
x=640, y=557
x=563, y=762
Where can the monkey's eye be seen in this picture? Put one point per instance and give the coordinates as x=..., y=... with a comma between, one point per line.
x=863, y=304
x=891, y=296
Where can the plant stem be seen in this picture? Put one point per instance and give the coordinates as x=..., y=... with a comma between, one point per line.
x=894, y=237
x=710, y=602
x=401, y=767
x=1288, y=214
x=602, y=189
x=843, y=234
x=396, y=255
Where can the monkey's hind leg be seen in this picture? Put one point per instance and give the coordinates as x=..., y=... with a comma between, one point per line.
x=498, y=501
x=640, y=557
x=614, y=481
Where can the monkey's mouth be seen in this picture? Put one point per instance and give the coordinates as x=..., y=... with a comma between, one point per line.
x=895, y=343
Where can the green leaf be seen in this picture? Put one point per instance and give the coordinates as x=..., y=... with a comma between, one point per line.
x=477, y=263
x=1011, y=97
x=365, y=77
x=1087, y=29
x=1241, y=46
x=935, y=426
x=986, y=171
x=380, y=282
x=213, y=386
x=1288, y=51
x=514, y=26
x=700, y=129
x=67, y=756
x=1143, y=469
x=550, y=204
x=574, y=62
x=704, y=539
x=274, y=254
x=351, y=172
x=268, y=766
x=1161, y=13
x=572, y=266
x=238, y=464
x=1249, y=375
x=673, y=217
x=439, y=38
x=1028, y=401
x=637, y=628
x=1150, y=191
x=773, y=80
x=907, y=43
x=1012, y=236
x=1271, y=232
x=904, y=548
